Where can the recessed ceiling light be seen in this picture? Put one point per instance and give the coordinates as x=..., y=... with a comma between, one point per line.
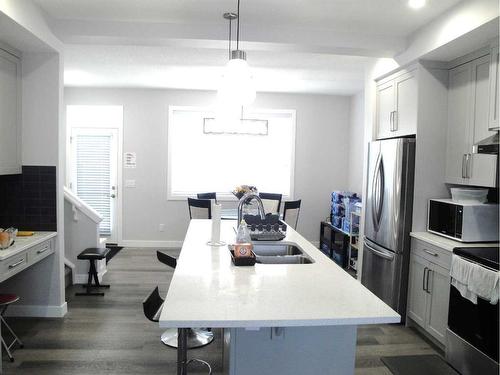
x=416, y=4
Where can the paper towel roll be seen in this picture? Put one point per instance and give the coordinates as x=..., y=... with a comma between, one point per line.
x=216, y=213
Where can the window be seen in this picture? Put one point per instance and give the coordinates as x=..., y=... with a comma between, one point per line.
x=201, y=160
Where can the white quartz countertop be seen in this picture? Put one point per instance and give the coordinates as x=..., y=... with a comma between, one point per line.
x=23, y=243
x=446, y=243
x=207, y=290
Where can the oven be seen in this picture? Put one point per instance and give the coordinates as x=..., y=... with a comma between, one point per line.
x=472, y=335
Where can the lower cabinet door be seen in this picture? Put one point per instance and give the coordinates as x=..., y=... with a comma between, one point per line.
x=439, y=287
x=417, y=297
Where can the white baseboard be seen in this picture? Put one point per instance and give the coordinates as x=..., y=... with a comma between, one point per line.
x=36, y=311
x=145, y=243
x=82, y=278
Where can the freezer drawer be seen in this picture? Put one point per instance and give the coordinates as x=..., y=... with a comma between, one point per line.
x=382, y=274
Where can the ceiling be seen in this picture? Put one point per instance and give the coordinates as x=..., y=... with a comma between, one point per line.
x=310, y=46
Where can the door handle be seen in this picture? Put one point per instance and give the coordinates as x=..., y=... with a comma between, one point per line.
x=423, y=278
x=113, y=195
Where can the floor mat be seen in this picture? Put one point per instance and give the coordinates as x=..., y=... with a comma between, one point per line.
x=113, y=251
x=418, y=365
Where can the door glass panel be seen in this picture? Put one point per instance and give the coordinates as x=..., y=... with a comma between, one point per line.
x=93, y=175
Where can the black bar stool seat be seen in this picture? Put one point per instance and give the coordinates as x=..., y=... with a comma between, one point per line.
x=92, y=254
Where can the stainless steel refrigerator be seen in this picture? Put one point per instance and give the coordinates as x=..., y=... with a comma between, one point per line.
x=388, y=215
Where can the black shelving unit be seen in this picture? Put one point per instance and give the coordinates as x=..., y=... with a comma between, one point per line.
x=334, y=242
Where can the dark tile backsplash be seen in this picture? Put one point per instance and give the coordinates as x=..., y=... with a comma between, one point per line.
x=28, y=200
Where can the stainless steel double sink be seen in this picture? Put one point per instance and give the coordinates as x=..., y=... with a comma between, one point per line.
x=280, y=253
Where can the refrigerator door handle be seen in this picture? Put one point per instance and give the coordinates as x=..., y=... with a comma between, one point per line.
x=378, y=187
x=383, y=254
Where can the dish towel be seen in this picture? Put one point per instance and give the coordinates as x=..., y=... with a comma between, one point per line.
x=473, y=281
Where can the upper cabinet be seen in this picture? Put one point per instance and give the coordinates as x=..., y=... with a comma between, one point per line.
x=397, y=105
x=10, y=114
x=469, y=123
x=493, y=118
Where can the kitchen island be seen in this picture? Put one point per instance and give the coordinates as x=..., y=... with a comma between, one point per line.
x=277, y=318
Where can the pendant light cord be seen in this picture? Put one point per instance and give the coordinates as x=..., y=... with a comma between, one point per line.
x=230, y=30
x=238, y=28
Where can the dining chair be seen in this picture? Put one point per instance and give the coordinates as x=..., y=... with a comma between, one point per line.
x=211, y=196
x=271, y=202
x=200, y=208
x=291, y=213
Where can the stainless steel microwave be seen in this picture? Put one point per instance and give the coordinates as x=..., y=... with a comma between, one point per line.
x=465, y=222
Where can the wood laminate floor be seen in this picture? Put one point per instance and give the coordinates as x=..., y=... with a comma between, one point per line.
x=110, y=335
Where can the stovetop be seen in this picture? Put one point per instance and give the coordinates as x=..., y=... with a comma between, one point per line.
x=487, y=256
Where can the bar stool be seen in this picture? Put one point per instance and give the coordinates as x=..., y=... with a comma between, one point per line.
x=5, y=301
x=92, y=254
x=152, y=306
x=196, y=337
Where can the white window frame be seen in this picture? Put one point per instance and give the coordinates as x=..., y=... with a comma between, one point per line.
x=223, y=196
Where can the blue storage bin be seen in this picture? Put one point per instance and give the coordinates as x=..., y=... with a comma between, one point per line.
x=337, y=209
x=337, y=221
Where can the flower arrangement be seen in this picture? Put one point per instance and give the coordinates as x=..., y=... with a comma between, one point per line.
x=241, y=190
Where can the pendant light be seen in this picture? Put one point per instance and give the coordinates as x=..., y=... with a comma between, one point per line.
x=236, y=89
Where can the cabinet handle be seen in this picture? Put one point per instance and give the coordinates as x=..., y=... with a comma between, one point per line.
x=390, y=120
x=423, y=279
x=14, y=265
x=395, y=121
x=464, y=157
x=431, y=253
x=467, y=166
x=43, y=250
x=427, y=282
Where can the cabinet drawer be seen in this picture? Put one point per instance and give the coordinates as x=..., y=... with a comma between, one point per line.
x=12, y=265
x=40, y=251
x=432, y=253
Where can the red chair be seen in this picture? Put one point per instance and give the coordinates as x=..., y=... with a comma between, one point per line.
x=5, y=301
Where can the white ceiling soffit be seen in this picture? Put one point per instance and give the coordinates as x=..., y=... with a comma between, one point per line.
x=306, y=46
x=201, y=69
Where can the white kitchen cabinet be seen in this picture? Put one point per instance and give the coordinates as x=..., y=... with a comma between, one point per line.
x=397, y=105
x=468, y=123
x=429, y=288
x=494, y=82
x=10, y=114
x=417, y=302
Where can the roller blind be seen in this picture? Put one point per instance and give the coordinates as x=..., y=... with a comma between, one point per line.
x=93, y=175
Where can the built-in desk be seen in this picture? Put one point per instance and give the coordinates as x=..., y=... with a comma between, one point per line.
x=25, y=252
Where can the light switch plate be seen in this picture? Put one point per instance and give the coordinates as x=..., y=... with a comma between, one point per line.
x=130, y=183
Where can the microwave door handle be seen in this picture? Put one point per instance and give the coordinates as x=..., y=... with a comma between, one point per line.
x=464, y=163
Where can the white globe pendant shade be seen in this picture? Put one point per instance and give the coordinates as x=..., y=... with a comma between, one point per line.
x=237, y=87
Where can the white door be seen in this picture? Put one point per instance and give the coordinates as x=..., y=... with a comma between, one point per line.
x=94, y=159
x=439, y=286
x=405, y=118
x=385, y=109
x=417, y=296
x=459, y=99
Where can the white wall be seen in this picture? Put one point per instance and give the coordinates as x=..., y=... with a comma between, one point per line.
x=356, y=143
x=321, y=156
